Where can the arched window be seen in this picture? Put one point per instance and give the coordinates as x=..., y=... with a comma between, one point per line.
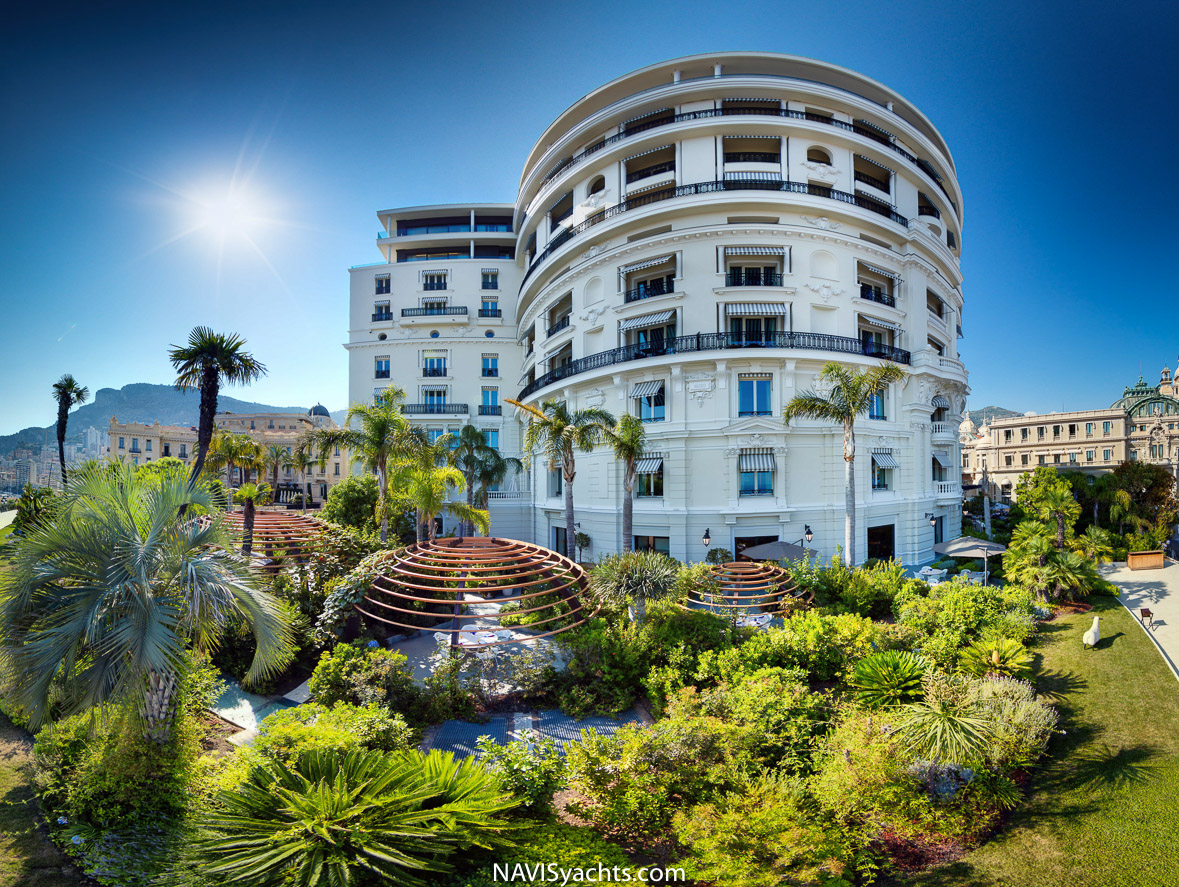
x=598, y=184
x=818, y=155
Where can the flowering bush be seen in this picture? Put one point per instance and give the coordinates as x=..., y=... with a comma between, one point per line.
x=533, y=770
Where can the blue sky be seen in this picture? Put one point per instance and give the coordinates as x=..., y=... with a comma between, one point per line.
x=119, y=126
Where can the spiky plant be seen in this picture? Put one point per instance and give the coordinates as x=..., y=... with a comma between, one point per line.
x=890, y=677
x=335, y=819
x=945, y=727
x=998, y=656
x=633, y=578
x=250, y=496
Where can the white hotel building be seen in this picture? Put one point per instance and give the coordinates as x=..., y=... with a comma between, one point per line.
x=691, y=243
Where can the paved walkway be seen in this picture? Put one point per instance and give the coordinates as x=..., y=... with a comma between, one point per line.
x=460, y=737
x=1158, y=591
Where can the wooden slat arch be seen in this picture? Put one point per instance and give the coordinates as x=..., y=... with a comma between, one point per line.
x=479, y=569
x=276, y=533
x=747, y=586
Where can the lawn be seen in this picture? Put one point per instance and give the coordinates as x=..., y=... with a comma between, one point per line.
x=27, y=857
x=1104, y=809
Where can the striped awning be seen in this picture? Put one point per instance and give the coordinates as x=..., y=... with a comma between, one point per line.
x=384, y=276
x=647, y=320
x=756, y=309
x=871, y=125
x=645, y=263
x=755, y=250
x=883, y=324
x=763, y=100
x=647, y=389
x=490, y=355
x=432, y=271
x=645, y=153
x=939, y=401
x=891, y=275
x=885, y=460
x=943, y=458
x=876, y=163
x=434, y=353
x=649, y=465
x=490, y=271
x=753, y=177
x=756, y=460
x=646, y=114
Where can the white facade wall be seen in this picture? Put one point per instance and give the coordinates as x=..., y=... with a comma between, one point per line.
x=755, y=123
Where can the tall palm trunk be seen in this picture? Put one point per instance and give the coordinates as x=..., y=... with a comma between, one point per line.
x=159, y=709
x=1060, y=531
x=466, y=526
x=849, y=504
x=209, y=387
x=628, y=505
x=63, y=416
x=568, y=473
x=383, y=502
x=248, y=527
x=306, y=490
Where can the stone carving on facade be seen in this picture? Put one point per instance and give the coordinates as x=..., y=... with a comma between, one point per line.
x=595, y=398
x=823, y=171
x=825, y=291
x=595, y=200
x=591, y=315
x=823, y=222
x=594, y=251
x=700, y=386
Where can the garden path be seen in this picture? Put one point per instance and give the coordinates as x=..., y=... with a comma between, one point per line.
x=7, y=517
x=460, y=736
x=1158, y=591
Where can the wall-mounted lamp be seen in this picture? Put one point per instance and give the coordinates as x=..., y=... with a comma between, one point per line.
x=707, y=538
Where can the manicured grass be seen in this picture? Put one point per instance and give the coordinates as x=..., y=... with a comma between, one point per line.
x=27, y=857
x=1104, y=808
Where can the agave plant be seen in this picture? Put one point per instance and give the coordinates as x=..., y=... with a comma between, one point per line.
x=891, y=677
x=333, y=818
x=947, y=726
x=633, y=578
x=998, y=656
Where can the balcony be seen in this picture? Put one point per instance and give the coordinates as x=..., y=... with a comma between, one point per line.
x=926, y=210
x=490, y=409
x=435, y=409
x=948, y=489
x=660, y=287
x=136, y=450
x=434, y=372
x=508, y=495
x=382, y=315
x=434, y=285
x=647, y=172
x=748, y=278
x=757, y=492
x=439, y=311
x=752, y=157
x=871, y=181
x=491, y=312
x=876, y=294
x=946, y=430
x=490, y=373
x=558, y=326
x=701, y=342
x=647, y=198
x=381, y=374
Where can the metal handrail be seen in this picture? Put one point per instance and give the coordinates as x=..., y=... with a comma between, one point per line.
x=433, y=312
x=744, y=278
x=716, y=342
x=660, y=286
x=448, y=409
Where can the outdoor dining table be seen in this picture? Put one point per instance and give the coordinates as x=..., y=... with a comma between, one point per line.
x=929, y=572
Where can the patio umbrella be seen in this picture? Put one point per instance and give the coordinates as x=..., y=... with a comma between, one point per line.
x=777, y=551
x=968, y=546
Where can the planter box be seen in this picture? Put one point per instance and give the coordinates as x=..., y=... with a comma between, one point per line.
x=1145, y=560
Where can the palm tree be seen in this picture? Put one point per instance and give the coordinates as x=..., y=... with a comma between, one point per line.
x=250, y=458
x=558, y=434
x=482, y=466
x=68, y=394
x=375, y=433
x=628, y=440
x=1096, y=544
x=228, y=451
x=108, y=592
x=250, y=496
x=207, y=362
x=274, y=457
x=852, y=393
x=1057, y=502
x=426, y=481
x=299, y=459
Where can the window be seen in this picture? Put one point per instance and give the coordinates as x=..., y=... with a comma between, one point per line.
x=1008, y=436
x=660, y=544
x=271, y=425
x=490, y=403
x=382, y=285
x=559, y=540
x=1043, y=460
x=336, y=472
x=489, y=307
x=1023, y=460
x=1072, y=457
x=649, y=477
x=1056, y=458
x=337, y=450
x=1133, y=455
x=434, y=363
x=1088, y=429
x=121, y=444
x=1055, y=432
x=147, y=445
x=876, y=406
x=756, y=469
x=382, y=311
x=818, y=155
x=434, y=397
x=880, y=476
x=491, y=437
x=752, y=330
x=1106, y=455
x=382, y=370
x=1040, y=432
x=556, y=481
x=490, y=279
x=753, y=396
x=434, y=280
x=135, y=445
x=1106, y=427
x=1008, y=460
x=1089, y=454
x=490, y=366
x=649, y=401
x=936, y=346
x=1023, y=433
x=184, y=451
x=1072, y=430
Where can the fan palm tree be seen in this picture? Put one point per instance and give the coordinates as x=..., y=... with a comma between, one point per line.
x=1096, y=544
x=628, y=439
x=852, y=392
x=274, y=457
x=68, y=394
x=482, y=466
x=208, y=361
x=299, y=459
x=558, y=434
x=109, y=591
x=250, y=496
x=227, y=452
x=375, y=434
x=1058, y=503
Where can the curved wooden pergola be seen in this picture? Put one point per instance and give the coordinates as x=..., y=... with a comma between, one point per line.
x=277, y=534
x=447, y=576
x=746, y=586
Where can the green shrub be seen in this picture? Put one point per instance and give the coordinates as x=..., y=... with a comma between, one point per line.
x=767, y=835
x=870, y=590
x=532, y=769
x=448, y=694
x=996, y=656
x=604, y=667
x=718, y=556
x=946, y=726
x=891, y=677
x=551, y=843
x=353, y=502
x=633, y=579
x=359, y=674
x=342, y=727
x=1021, y=723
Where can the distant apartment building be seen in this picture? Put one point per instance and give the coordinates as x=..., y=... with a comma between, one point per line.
x=1142, y=425
x=140, y=443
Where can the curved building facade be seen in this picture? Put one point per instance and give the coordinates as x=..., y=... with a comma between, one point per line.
x=691, y=244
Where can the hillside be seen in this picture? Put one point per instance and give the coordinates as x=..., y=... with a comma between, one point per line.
x=137, y=402
x=983, y=415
